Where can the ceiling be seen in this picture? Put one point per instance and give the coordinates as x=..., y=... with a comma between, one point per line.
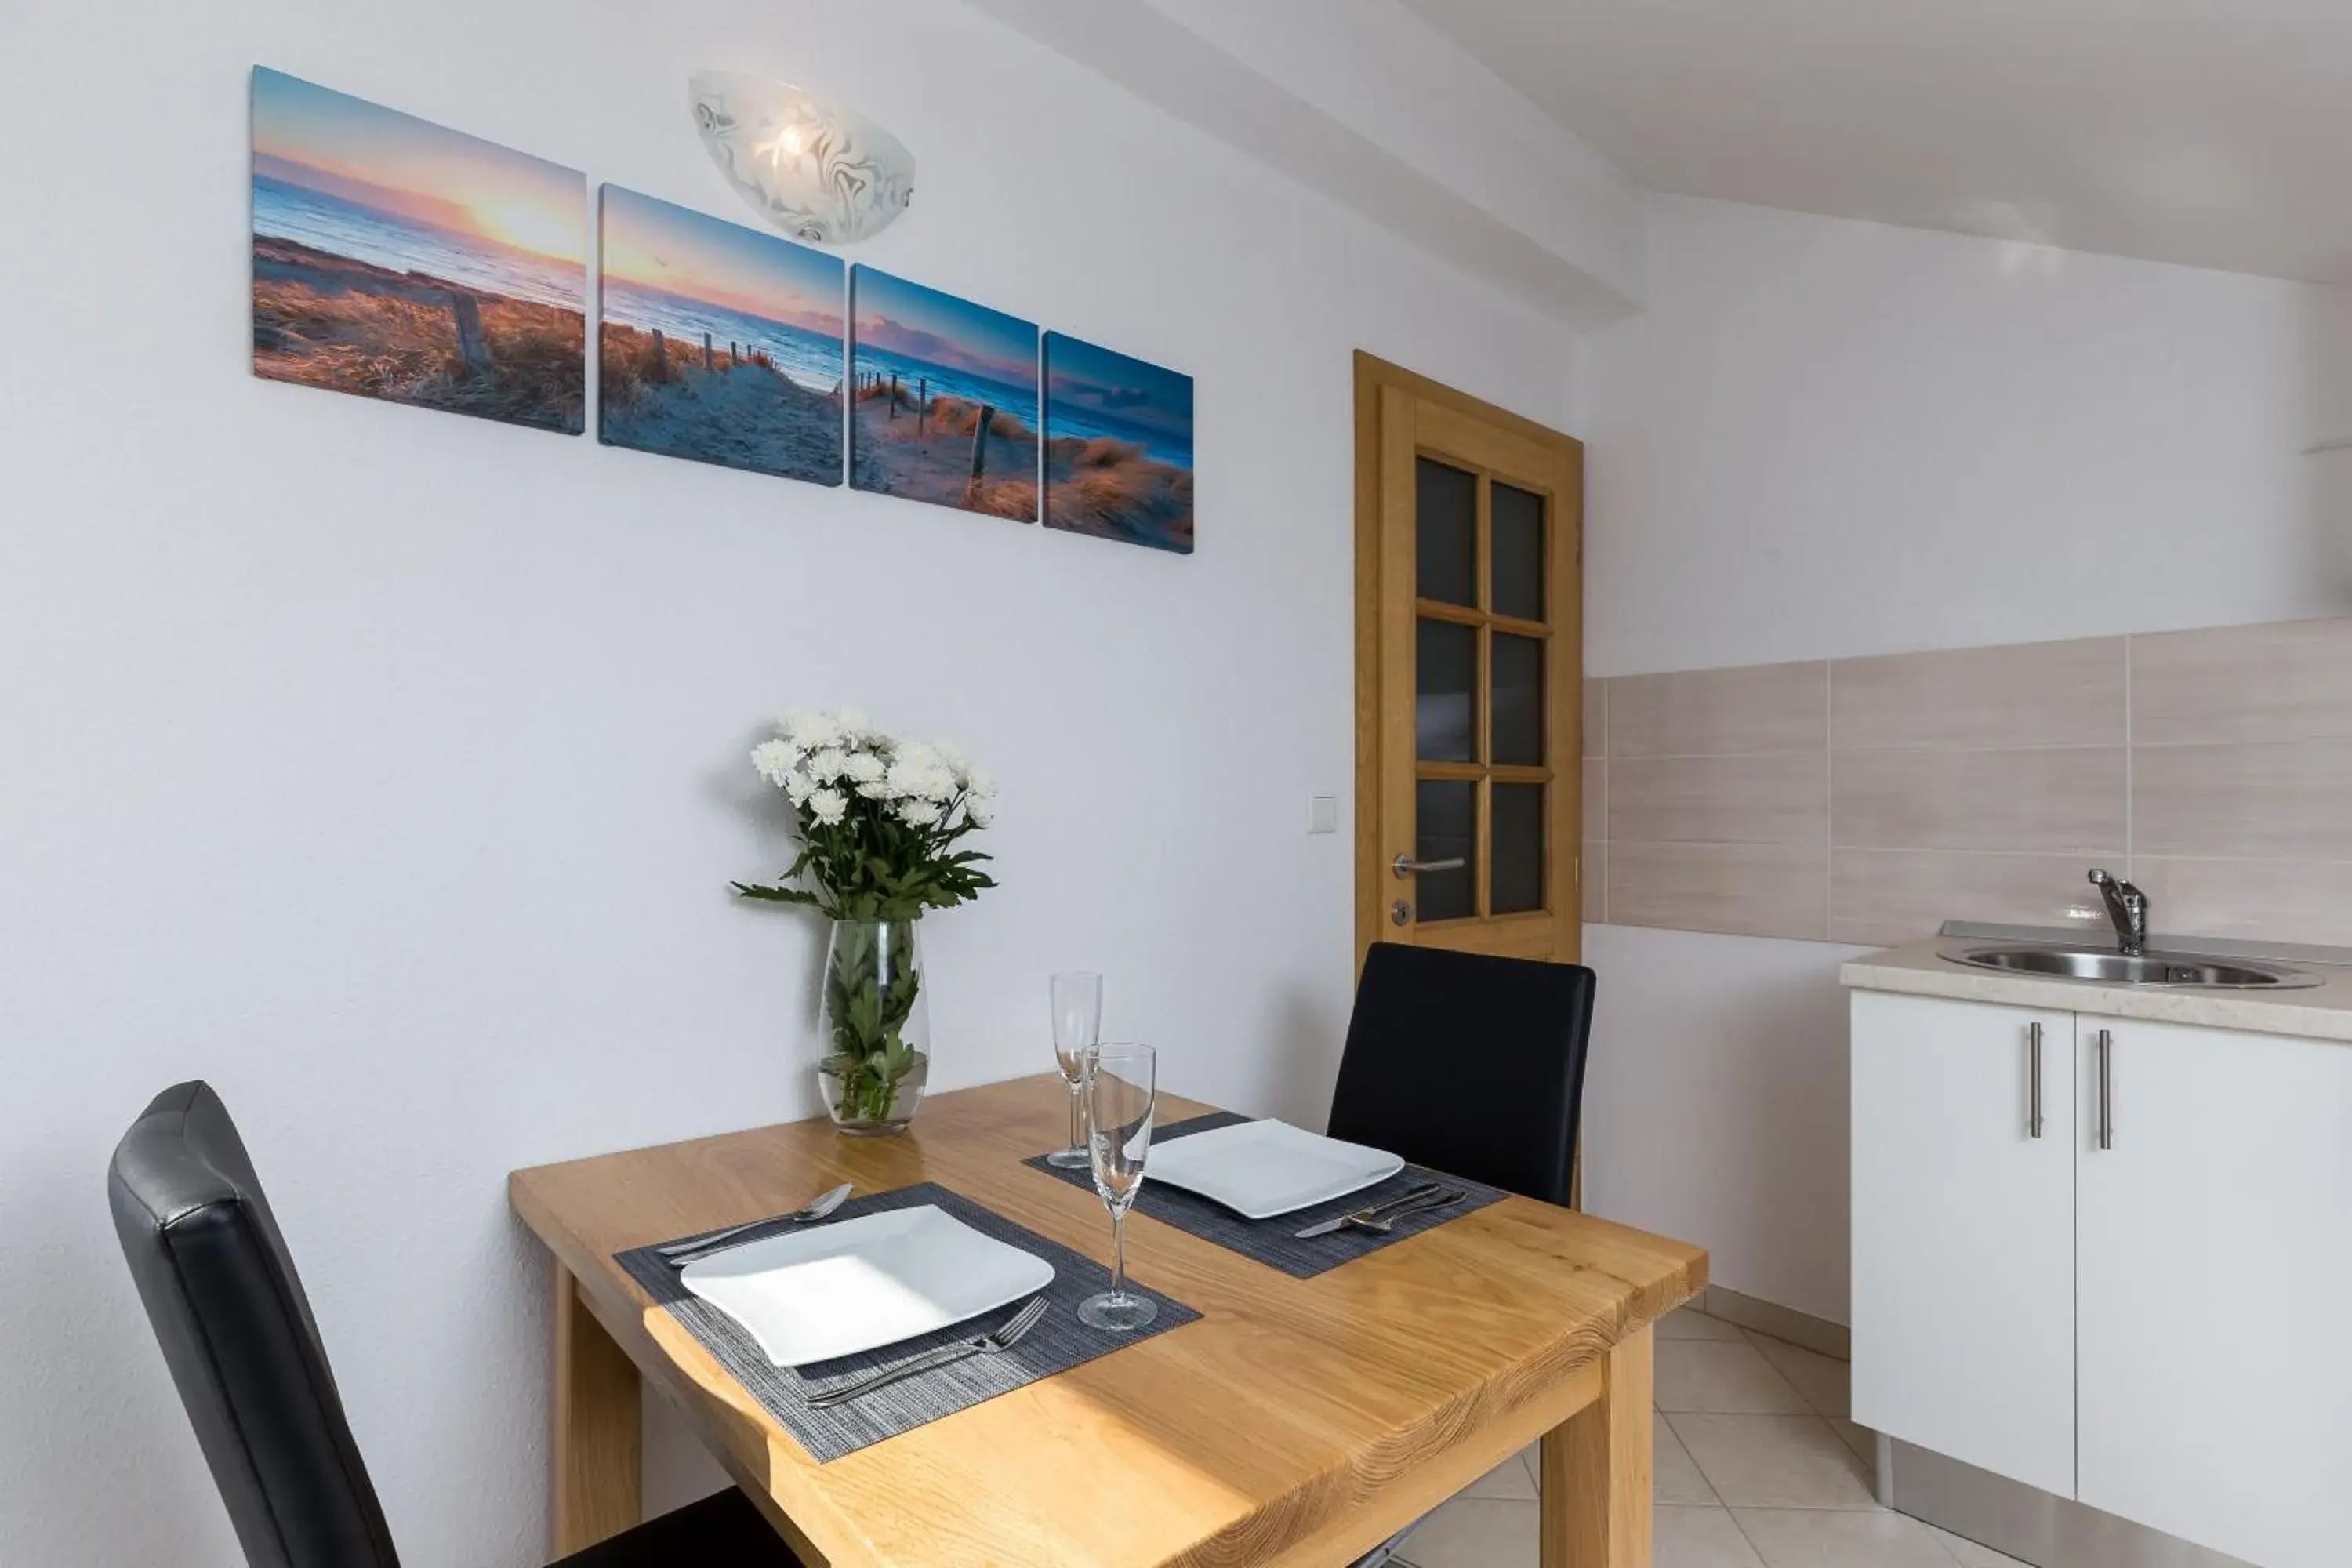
x=2212, y=132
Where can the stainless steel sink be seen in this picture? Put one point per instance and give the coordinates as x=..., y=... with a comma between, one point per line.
x=2179, y=971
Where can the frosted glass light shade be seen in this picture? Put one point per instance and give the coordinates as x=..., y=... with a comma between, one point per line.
x=821, y=173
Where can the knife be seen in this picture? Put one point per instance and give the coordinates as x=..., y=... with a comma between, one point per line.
x=1326, y=1228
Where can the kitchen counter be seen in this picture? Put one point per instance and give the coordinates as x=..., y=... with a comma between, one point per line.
x=2323, y=1012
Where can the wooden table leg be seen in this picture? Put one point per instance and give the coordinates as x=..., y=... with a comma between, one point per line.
x=1596, y=1470
x=599, y=1438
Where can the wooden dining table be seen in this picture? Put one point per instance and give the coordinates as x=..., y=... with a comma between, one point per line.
x=1298, y=1423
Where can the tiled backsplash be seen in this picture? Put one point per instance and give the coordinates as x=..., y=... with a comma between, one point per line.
x=1864, y=800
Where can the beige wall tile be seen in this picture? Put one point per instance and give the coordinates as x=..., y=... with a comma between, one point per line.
x=1767, y=798
x=2290, y=800
x=1752, y=889
x=1704, y=712
x=2287, y=683
x=2277, y=900
x=1596, y=797
x=1894, y=896
x=1596, y=718
x=1594, y=890
x=2028, y=694
x=2067, y=799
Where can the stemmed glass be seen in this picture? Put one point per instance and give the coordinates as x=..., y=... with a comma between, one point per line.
x=1119, y=1103
x=1077, y=1022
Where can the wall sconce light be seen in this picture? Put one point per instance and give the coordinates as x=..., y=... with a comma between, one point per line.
x=821, y=173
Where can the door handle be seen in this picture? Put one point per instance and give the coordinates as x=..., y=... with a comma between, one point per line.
x=1406, y=866
x=2034, y=1080
x=2106, y=1094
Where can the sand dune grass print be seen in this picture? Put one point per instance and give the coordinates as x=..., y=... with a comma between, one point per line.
x=397, y=259
x=1118, y=447
x=717, y=342
x=944, y=399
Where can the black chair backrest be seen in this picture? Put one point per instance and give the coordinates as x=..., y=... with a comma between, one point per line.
x=1469, y=1065
x=236, y=1330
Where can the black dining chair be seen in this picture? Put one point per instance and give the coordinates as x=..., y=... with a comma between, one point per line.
x=237, y=1332
x=1469, y=1065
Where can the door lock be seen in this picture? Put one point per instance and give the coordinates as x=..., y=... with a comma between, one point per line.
x=1400, y=913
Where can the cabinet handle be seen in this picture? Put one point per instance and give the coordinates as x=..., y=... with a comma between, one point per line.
x=2034, y=1080
x=2107, y=1098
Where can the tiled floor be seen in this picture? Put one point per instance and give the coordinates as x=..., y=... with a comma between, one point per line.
x=1756, y=1466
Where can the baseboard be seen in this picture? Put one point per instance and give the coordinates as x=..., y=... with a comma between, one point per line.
x=2028, y=1524
x=1780, y=1322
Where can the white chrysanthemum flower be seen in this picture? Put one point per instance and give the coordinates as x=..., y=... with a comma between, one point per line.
x=917, y=812
x=799, y=785
x=917, y=754
x=828, y=806
x=981, y=816
x=981, y=787
x=876, y=789
x=952, y=755
x=812, y=732
x=775, y=760
x=864, y=768
x=854, y=724
x=828, y=764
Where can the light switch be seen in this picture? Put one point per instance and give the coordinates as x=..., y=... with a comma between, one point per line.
x=1323, y=813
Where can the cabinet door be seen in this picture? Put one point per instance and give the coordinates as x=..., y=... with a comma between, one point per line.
x=1964, y=1232
x=2216, y=1392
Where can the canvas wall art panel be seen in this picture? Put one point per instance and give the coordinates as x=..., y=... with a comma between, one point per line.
x=945, y=398
x=397, y=259
x=1118, y=446
x=719, y=343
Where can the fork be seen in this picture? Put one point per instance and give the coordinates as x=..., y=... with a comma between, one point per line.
x=997, y=1343
x=1386, y=1223
x=679, y=1253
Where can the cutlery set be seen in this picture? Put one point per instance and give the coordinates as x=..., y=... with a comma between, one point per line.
x=1381, y=1218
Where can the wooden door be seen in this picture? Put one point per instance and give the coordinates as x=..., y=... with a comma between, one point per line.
x=1964, y=1232
x=1469, y=672
x=2215, y=1265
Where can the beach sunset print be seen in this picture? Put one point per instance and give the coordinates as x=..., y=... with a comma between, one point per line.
x=944, y=394
x=398, y=260
x=1118, y=446
x=719, y=343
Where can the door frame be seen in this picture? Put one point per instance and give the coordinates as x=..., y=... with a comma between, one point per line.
x=1565, y=699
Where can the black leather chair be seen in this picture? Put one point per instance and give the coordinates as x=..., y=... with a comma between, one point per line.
x=1470, y=1065
x=236, y=1330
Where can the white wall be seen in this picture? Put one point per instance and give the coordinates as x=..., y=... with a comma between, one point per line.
x=385, y=767
x=1829, y=437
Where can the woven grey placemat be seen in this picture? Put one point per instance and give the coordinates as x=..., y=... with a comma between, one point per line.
x=1057, y=1343
x=1275, y=1242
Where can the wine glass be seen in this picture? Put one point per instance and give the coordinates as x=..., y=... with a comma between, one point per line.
x=1077, y=1021
x=1120, y=1099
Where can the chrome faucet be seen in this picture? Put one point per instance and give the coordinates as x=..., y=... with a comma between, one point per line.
x=2128, y=907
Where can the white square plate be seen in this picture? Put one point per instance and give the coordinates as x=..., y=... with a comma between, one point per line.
x=859, y=1284
x=1260, y=1169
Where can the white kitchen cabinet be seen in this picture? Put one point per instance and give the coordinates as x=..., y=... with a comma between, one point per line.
x=1964, y=1232
x=2214, y=1363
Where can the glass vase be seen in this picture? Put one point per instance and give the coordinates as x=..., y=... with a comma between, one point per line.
x=876, y=1027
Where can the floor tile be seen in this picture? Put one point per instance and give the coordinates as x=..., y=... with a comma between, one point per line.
x=1824, y=1538
x=1824, y=1380
x=1674, y=1474
x=1699, y=1538
x=1721, y=1377
x=1688, y=1323
x=1862, y=1440
x=1775, y=1461
x=1970, y=1554
x=1478, y=1532
x=1510, y=1479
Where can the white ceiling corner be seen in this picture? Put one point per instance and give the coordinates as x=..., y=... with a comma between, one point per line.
x=1363, y=103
